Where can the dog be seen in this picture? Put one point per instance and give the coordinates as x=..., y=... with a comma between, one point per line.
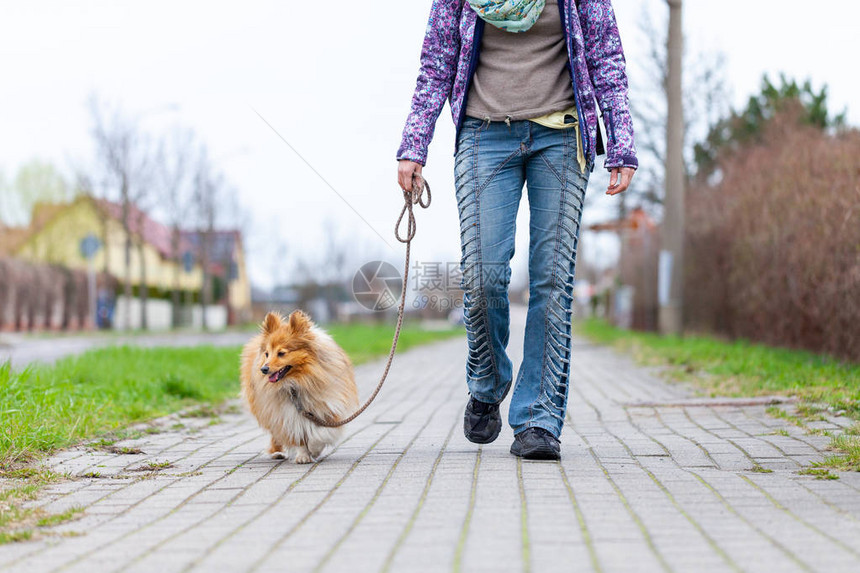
x=294, y=366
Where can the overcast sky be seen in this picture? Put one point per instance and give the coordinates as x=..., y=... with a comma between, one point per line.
x=336, y=83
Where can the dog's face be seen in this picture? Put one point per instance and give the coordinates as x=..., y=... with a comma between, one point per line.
x=286, y=348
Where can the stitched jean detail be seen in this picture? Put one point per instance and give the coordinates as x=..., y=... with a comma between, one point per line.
x=481, y=368
x=555, y=370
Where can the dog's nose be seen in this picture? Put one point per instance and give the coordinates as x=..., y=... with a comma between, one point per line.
x=265, y=369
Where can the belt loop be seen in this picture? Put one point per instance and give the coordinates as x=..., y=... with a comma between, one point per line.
x=487, y=119
x=508, y=120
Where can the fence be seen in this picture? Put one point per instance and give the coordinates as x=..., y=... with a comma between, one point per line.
x=44, y=297
x=159, y=315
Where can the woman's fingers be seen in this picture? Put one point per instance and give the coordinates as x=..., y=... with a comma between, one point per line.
x=620, y=180
x=405, y=170
x=614, y=176
x=404, y=177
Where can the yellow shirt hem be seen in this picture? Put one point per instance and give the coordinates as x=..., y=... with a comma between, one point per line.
x=555, y=120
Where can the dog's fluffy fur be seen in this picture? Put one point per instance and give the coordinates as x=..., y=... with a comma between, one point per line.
x=293, y=366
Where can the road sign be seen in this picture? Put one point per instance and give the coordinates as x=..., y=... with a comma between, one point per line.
x=90, y=245
x=188, y=261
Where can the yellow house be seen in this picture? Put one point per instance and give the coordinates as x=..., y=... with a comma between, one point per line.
x=157, y=256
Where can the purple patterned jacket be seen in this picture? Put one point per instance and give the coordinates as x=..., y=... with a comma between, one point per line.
x=450, y=54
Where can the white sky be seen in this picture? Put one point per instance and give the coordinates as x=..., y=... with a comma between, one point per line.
x=336, y=83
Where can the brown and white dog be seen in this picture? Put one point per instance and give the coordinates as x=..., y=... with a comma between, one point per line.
x=291, y=367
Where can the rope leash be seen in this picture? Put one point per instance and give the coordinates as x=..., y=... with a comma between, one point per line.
x=410, y=199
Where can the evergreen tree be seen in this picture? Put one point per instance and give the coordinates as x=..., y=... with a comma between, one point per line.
x=746, y=126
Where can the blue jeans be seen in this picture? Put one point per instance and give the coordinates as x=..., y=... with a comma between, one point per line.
x=493, y=163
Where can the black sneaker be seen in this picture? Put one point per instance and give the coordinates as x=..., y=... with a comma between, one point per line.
x=536, y=444
x=482, y=422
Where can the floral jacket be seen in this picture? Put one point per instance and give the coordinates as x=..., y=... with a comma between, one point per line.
x=450, y=55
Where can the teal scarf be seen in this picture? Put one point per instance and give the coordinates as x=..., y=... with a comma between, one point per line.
x=509, y=15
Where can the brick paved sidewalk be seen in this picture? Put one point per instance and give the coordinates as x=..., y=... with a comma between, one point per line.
x=651, y=480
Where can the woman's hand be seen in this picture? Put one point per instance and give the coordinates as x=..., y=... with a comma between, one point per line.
x=620, y=179
x=405, y=169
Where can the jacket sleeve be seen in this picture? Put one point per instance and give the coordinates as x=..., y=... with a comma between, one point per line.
x=606, y=65
x=439, y=56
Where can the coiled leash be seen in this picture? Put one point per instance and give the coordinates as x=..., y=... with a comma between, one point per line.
x=410, y=198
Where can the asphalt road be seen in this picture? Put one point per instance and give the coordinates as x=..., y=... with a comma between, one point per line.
x=22, y=350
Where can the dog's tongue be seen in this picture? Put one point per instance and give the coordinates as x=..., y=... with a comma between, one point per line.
x=274, y=377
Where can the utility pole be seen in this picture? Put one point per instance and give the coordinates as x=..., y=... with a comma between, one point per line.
x=671, y=270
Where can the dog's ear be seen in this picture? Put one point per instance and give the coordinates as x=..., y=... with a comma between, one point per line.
x=299, y=322
x=271, y=323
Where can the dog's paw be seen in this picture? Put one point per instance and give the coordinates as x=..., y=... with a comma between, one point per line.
x=303, y=458
x=274, y=454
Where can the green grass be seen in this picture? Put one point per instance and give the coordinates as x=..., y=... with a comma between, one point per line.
x=760, y=470
x=125, y=450
x=849, y=447
x=364, y=342
x=15, y=536
x=44, y=408
x=153, y=467
x=741, y=368
x=58, y=518
x=23, y=484
x=818, y=473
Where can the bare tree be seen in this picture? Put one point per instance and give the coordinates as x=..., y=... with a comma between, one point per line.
x=213, y=207
x=236, y=221
x=176, y=158
x=208, y=190
x=704, y=96
x=139, y=216
x=326, y=272
x=204, y=209
x=126, y=162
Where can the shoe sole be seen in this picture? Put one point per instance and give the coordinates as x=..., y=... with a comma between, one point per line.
x=536, y=454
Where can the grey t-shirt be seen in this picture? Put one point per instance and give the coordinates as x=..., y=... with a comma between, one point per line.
x=524, y=75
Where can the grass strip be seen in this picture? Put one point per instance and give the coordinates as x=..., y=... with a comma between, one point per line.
x=364, y=342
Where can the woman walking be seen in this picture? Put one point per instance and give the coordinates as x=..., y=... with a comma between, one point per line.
x=522, y=77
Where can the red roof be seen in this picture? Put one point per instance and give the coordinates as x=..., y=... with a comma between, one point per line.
x=223, y=242
x=145, y=227
x=636, y=220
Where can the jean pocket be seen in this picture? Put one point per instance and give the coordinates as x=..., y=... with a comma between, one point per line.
x=469, y=130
